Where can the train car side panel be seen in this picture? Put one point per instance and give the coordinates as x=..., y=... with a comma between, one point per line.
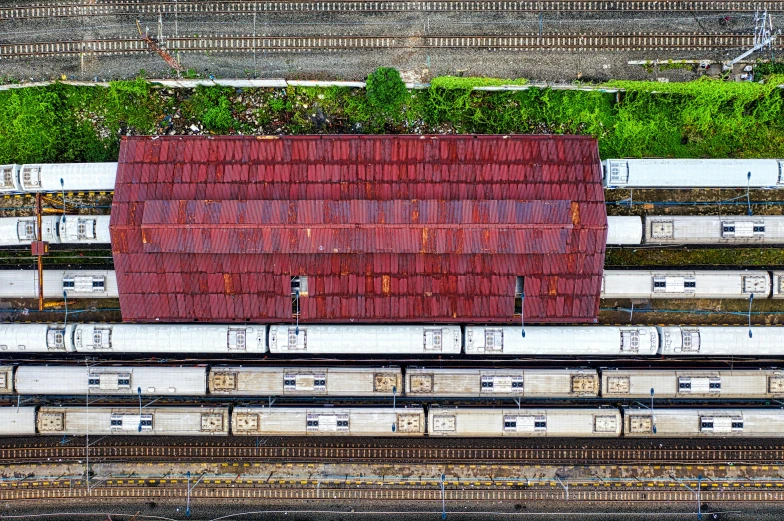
x=153, y=421
x=305, y=381
x=169, y=338
x=622, y=383
x=728, y=284
x=35, y=338
x=739, y=423
x=365, y=339
x=476, y=422
x=722, y=340
x=17, y=421
x=500, y=383
x=692, y=173
x=70, y=177
x=112, y=380
x=562, y=340
x=328, y=421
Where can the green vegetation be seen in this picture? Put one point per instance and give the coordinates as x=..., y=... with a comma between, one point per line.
x=703, y=118
x=211, y=106
x=454, y=82
x=761, y=70
x=65, y=123
x=386, y=91
x=671, y=257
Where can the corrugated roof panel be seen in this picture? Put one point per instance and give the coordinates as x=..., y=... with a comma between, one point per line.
x=274, y=201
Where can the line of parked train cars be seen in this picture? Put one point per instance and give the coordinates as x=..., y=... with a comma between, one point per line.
x=657, y=229
x=220, y=381
x=616, y=284
x=392, y=340
x=617, y=173
x=391, y=421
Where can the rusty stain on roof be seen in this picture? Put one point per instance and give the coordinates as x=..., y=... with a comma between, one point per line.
x=386, y=228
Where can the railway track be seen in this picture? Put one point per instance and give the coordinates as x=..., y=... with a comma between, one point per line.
x=761, y=492
x=241, y=7
x=357, y=454
x=521, y=42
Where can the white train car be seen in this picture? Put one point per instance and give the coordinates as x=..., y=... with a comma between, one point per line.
x=672, y=284
x=76, y=229
x=168, y=338
x=778, y=284
x=730, y=229
x=328, y=421
x=562, y=340
x=305, y=381
x=722, y=340
x=6, y=379
x=85, y=229
x=75, y=284
x=9, y=178
x=17, y=421
x=703, y=423
x=34, y=338
x=365, y=339
x=153, y=421
x=16, y=231
x=70, y=177
x=501, y=383
x=693, y=173
x=638, y=383
x=482, y=422
x=624, y=230
x=111, y=380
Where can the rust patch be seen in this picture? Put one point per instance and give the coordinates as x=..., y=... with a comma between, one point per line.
x=553, y=288
x=228, y=284
x=182, y=213
x=575, y=213
x=385, y=285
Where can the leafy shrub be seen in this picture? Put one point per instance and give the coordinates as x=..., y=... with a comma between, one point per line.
x=386, y=90
x=218, y=118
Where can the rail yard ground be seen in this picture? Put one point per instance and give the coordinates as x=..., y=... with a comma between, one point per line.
x=731, y=482
x=413, y=24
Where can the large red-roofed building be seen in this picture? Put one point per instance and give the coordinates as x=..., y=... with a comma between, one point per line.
x=379, y=228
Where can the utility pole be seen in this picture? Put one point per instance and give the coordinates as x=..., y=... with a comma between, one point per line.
x=763, y=37
x=39, y=248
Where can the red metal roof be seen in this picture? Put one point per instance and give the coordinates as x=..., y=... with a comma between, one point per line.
x=386, y=228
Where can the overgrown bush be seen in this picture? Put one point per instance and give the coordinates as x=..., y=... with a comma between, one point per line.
x=218, y=118
x=49, y=124
x=761, y=70
x=386, y=90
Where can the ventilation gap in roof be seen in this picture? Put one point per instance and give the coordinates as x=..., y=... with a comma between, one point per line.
x=299, y=284
x=299, y=289
x=519, y=292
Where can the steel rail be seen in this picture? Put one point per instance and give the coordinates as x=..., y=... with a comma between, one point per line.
x=228, y=43
x=358, y=454
x=241, y=7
